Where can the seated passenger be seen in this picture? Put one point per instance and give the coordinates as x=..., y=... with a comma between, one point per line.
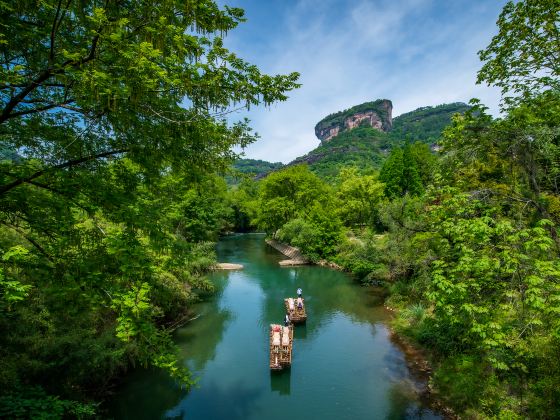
x=291, y=304
x=286, y=337
x=300, y=303
x=276, y=329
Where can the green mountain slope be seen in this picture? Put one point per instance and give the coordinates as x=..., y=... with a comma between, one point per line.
x=366, y=147
x=425, y=124
x=363, y=147
x=254, y=168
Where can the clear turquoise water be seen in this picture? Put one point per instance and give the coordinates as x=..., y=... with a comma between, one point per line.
x=344, y=364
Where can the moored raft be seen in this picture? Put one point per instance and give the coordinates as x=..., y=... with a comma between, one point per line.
x=281, y=344
x=296, y=309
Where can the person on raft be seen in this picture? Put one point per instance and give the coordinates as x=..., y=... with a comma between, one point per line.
x=299, y=292
x=300, y=303
x=287, y=320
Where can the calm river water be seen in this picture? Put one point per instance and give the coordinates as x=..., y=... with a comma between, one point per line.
x=344, y=365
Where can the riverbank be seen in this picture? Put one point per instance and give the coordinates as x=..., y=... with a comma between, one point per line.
x=419, y=362
x=295, y=257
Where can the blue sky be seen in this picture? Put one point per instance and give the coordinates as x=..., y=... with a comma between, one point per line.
x=413, y=52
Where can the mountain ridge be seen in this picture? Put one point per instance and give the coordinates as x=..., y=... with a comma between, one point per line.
x=366, y=144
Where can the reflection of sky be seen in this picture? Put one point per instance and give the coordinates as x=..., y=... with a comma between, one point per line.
x=414, y=52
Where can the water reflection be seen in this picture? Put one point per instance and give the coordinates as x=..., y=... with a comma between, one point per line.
x=211, y=322
x=146, y=385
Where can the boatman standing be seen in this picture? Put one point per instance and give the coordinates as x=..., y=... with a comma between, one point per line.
x=299, y=292
x=287, y=320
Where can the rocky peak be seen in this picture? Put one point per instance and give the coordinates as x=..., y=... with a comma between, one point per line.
x=376, y=114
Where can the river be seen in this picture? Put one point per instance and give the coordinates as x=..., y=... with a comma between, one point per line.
x=344, y=364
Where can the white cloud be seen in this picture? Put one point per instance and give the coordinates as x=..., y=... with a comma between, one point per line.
x=408, y=51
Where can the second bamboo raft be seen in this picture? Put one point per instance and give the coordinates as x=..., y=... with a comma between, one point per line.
x=296, y=313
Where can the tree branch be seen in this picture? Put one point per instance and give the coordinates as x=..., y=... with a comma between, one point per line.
x=30, y=240
x=43, y=76
x=6, y=113
x=68, y=164
x=40, y=109
x=53, y=32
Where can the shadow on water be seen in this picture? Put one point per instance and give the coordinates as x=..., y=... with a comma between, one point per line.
x=217, y=402
x=211, y=322
x=141, y=386
x=400, y=395
x=280, y=382
x=300, y=331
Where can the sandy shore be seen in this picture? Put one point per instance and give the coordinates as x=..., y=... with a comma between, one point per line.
x=229, y=266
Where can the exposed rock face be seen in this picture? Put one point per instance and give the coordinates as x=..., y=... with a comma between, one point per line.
x=371, y=117
x=375, y=114
x=328, y=133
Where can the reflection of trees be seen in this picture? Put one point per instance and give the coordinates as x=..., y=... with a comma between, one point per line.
x=148, y=393
x=145, y=395
x=198, y=339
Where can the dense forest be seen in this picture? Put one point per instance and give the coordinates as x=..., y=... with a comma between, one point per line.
x=425, y=124
x=113, y=132
x=114, y=150
x=251, y=168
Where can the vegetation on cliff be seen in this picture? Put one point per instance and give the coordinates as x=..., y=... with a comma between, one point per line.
x=362, y=147
x=425, y=124
x=381, y=107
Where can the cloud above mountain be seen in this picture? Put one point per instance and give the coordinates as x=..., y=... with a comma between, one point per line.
x=414, y=52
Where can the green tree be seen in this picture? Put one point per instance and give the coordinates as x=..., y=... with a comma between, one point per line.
x=288, y=194
x=400, y=173
x=392, y=173
x=411, y=182
x=523, y=58
x=359, y=197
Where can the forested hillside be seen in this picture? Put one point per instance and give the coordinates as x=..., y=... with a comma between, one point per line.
x=466, y=242
x=367, y=148
x=425, y=124
x=250, y=168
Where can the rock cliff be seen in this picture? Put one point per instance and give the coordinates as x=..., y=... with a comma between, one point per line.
x=376, y=114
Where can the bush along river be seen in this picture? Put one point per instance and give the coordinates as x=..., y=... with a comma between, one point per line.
x=344, y=364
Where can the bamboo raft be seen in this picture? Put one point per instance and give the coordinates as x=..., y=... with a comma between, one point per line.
x=297, y=315
x=281, y=343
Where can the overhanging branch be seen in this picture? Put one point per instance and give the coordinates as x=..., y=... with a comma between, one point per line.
x=68, y=164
